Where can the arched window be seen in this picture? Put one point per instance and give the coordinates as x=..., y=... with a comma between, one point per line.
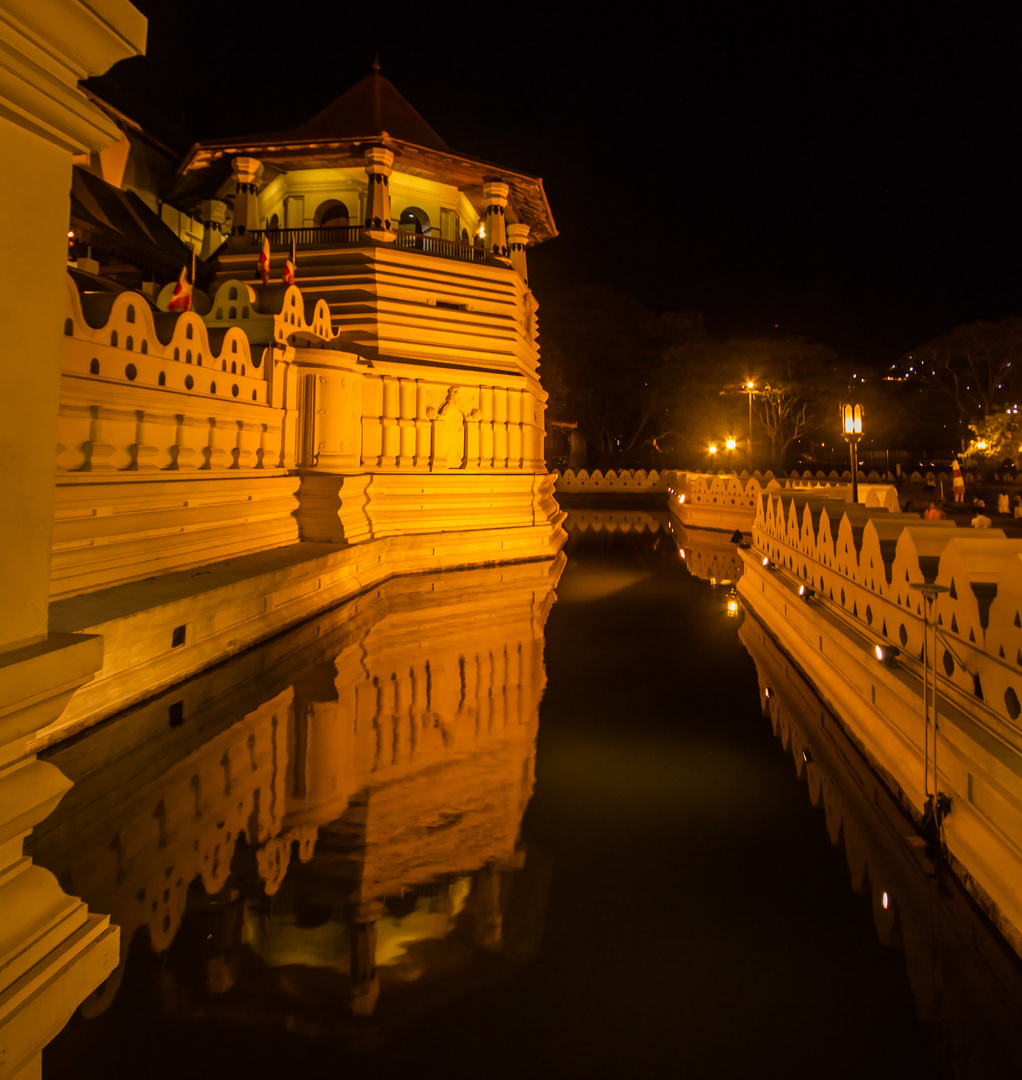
x=131, y=313
x=93, y=366
x=69, y=328
x=414, y=220
x=464, y=237
x=273, y=224
x=162, y=380
x=332, y=213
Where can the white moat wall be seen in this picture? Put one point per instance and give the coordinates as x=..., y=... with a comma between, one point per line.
x=862, y=566
x=725, y=501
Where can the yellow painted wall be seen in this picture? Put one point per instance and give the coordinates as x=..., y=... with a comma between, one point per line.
x=34, y=186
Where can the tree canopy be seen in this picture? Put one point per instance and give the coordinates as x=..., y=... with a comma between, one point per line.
x=976, y=367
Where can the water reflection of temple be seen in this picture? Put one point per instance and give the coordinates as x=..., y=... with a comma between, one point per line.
x=965, y=980
x=331, y=816
x=709, y=554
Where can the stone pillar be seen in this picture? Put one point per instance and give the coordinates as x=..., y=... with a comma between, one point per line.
x=517, y=237
x=495, y=197
x=365, y=983
x=489, y=921
x=379, y=165
x=391, y=419
x=423, y=427
x=407, y=445
x=53, y=952
x=246, y=200
x=486, y=427
x=499, y=427
x=213, y=214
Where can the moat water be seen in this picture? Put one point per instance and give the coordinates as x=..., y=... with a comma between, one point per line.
x=456, y=827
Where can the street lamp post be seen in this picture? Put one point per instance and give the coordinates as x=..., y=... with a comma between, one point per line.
x=851, y=429
x=750, y=389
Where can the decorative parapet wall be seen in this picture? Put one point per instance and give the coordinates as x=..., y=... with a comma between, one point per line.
x=185, y=439
x=865, y=565
x=859, y=568
x=728, y=502
x=614, y=480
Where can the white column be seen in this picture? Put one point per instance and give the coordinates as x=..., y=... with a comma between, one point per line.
x=214, y=214
x=246, y=200
x=53, y=953
x=517, y=237
x=379, y=165
x=495, y=197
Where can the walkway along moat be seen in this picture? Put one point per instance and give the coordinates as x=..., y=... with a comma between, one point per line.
x=368, y=844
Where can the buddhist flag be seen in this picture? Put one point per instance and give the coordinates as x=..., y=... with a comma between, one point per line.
x=289, y=267
x=181, y=300
x=264, y=260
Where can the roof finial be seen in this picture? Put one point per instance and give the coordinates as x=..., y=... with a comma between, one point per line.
x=376, y=63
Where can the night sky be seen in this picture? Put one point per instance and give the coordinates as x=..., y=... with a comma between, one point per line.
x=854, y=175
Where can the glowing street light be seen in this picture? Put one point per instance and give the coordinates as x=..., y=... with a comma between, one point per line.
x=730, y=442
x=851, y=429
x=713, y=448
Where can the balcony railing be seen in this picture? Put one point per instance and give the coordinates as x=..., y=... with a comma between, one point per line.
x=433, y=245
x=314, y=236
x=337, y=235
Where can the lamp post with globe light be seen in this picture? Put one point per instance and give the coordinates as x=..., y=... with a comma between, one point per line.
x=851, y=429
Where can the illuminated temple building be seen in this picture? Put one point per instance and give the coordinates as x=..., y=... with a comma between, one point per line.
x=225, y=472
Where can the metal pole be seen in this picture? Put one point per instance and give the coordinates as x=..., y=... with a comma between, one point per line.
x=936, y=788
x=750, y=431
x=852, y=447
x=927, y=601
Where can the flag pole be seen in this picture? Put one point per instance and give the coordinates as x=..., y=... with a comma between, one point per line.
x=193, y=268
